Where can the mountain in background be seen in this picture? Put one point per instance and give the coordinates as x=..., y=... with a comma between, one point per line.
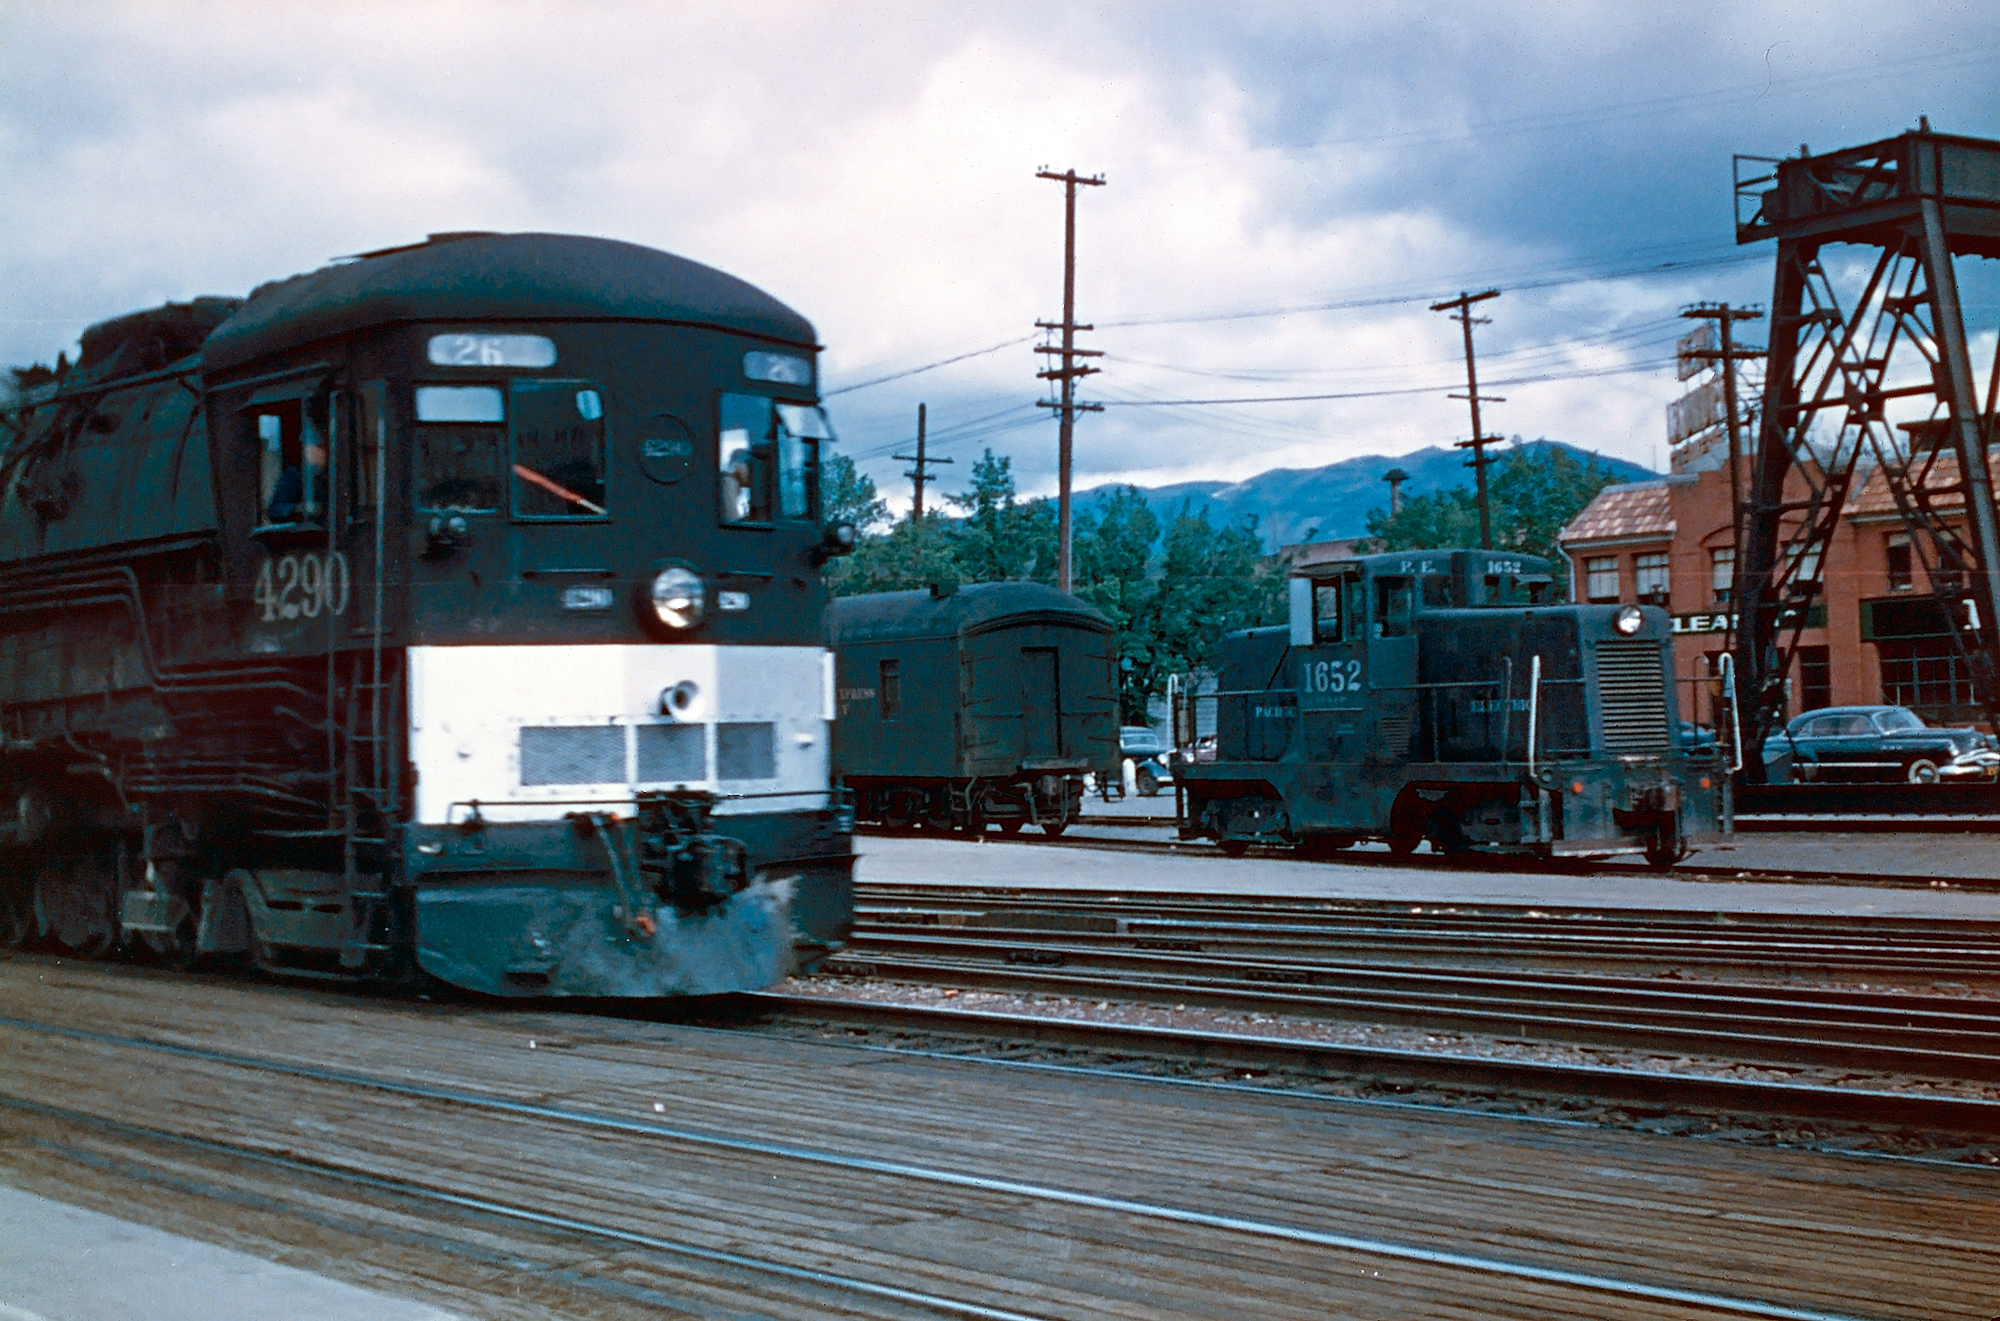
x=1333, y=503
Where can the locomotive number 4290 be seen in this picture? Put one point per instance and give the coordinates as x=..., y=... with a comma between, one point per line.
x=302, y=585
x=1332, y=677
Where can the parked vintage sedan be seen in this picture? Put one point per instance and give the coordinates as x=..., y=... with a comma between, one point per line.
x=1146, y=752
x=1849, y=743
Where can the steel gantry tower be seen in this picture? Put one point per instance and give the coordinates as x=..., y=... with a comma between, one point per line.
x=1869, y=369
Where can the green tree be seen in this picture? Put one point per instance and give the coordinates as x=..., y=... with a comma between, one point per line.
x=1002, y=538
x=915, y=553
x=1112, y=553
x=1426, y=522
x=848, y=494
x=1543, y=487
x=1212, y=581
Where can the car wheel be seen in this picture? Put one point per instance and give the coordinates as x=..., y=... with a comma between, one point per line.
x=1148, y=781
x=1923, y=771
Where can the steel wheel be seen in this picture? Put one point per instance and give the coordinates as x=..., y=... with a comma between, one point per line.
x=74, y=902
x=1234, y=848
x=17, y=912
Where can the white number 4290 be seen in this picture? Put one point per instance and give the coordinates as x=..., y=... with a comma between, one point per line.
x=302, y=585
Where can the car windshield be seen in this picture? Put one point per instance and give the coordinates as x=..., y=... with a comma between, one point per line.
x=1894, y=722
x=1141, y=740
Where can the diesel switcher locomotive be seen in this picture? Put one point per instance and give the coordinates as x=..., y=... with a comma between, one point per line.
x=1435, y=695
x=457, y=607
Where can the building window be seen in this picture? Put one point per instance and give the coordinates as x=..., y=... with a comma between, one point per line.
x=1802, y=565
x=1722, y=573
x=1897, y=552
x=1930, y=677
x=1600, y=578
x=1815, y=678
x=1650, y=577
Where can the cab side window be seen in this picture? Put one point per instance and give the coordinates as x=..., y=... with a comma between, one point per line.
x=1392, y=606
x=767, y=459
x=292, y=482
x=746, y=447
x=1326, y=612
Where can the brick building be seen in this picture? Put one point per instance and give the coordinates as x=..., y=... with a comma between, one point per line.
x=1876, y=635
x=1667, y=542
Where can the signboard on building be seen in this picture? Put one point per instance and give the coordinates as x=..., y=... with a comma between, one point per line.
x=1723, y=621
x=1695, y=412
x=1699, y=340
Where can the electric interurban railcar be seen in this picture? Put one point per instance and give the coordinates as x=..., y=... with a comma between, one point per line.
x=1433, y=695
x=456, y=607
x=976, y=705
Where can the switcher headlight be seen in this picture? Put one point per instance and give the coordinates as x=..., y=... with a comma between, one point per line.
x=678, y=597
x=1628, y=620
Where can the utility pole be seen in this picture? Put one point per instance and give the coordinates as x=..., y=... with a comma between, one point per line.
x=1480, y=440
x=917, y=475
x=1068, y=373
x=1725, y=318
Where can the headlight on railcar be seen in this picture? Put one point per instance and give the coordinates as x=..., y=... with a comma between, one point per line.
x=678, y=597
x=1628, y=620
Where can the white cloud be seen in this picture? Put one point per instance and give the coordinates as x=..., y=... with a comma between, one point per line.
x=875, y=169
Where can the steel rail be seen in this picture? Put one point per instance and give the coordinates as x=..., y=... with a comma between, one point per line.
x=1510, y=863
x=1377, y=917
x=1552, y=947
x=1646, y=1090
x=1279, y=926
x=1714, y=1025
x=540, y=1219
x=1148, y=962
x=1361, y=1244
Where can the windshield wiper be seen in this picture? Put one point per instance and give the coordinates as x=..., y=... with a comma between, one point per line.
x=555, y=488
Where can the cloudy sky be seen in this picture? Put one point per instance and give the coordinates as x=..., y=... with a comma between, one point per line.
x=1288, y=187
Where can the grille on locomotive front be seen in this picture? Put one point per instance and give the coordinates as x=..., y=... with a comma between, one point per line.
x=646, y=754
x=573, y=754
x=1633, y=691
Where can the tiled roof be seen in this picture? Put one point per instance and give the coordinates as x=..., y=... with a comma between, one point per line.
x=1640, y=509
x=1874, y=500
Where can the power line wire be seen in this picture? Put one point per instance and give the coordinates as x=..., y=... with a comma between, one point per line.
x=929, y=366
x=1627, y=370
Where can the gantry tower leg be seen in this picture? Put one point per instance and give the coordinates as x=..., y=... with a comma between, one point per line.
x=1869, y=378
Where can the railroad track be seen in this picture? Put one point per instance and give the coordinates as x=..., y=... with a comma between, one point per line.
x=1299, y=958
x=964, y=1033
x=1562, y=934
x=603, y=1185
x=1430, y=862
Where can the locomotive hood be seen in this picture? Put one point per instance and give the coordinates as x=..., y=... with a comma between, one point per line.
x=476, y=277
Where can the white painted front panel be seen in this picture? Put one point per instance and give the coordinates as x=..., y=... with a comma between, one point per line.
x=468, y=705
